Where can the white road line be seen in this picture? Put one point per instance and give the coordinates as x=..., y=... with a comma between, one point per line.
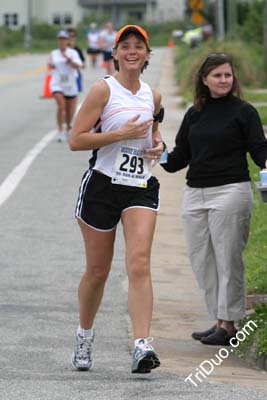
x=12, y=181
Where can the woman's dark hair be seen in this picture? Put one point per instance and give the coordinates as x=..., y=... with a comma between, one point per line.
x=213, y=60
x=123, y=37
x=71, y=31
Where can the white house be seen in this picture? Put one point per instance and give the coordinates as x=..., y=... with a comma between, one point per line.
x=138, y=10
x=15, y=13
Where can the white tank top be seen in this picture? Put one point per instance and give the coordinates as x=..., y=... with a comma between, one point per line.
x=122, y=106
x=93, y=38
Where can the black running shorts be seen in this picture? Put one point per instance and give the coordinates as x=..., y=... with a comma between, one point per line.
x=107, y=55
x=100, y=202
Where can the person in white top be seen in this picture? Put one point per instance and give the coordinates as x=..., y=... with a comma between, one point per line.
x=118, y=120
x=106, y=43
x=65, y=63
x=93, y=49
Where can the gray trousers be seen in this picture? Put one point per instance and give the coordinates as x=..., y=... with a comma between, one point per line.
x=216, y=222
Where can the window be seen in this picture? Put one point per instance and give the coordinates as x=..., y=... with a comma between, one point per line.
x=138, y=15
x=6, y=20
x=11, y=19
x=62, y=19
x=15, y=19
x=56, y=19
x=67, y=19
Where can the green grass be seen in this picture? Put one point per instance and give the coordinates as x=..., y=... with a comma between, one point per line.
x=262, y=110
x=255, y=254
x=254, y=96
x=254, y=348
x=11, y=52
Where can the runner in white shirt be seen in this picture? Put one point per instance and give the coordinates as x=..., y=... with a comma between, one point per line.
x=119, y=186
x=65, y=63
x=106, y=43
x=93, y=44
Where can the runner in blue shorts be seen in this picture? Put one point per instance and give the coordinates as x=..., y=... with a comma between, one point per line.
x=118, y=121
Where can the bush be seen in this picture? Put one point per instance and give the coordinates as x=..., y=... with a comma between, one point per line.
x=248, y=62
x=251, y=22
x=11, y=38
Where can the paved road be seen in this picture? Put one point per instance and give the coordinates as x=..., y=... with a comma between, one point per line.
x=42, y=260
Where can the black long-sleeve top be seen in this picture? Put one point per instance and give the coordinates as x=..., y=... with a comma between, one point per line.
x=79, y=51
x=214, y=142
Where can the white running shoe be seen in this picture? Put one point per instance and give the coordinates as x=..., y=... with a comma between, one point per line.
x=82, y=359
x=62, y=137
x=144, y=357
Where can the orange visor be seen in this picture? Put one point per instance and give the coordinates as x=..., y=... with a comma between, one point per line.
x=131, y=28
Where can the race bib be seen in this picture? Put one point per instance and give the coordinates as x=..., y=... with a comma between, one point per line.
x=65, y=81
x=131, y=168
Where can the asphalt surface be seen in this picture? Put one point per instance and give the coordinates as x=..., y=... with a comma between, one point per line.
x=42, y=259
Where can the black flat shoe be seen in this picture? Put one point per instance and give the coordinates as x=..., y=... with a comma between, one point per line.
x=219, y=338
x=199, y=335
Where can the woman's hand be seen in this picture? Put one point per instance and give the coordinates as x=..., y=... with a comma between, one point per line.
x=155, y=152
x=134, y=130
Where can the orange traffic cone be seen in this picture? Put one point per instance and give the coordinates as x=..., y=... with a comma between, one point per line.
x=46, y=89
x=170, y=43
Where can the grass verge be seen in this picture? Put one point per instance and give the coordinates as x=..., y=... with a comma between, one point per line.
x=262, y=110
x=253, y=349
x=255, y=254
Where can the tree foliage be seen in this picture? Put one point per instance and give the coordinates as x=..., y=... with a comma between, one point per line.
x=250, y=21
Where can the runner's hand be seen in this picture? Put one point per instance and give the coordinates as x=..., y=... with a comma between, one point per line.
x=134, y=130
x=155, y=152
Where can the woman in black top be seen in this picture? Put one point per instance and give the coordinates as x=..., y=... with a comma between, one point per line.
x=213, y=140
x=72, y=44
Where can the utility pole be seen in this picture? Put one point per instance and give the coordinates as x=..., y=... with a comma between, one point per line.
x=231, y=18
x=113, y=12
x=265, y=38
x=28, y=33
x=219, y=19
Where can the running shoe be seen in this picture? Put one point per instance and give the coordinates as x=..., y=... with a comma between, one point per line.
x=144, y=357
x=62, y=136
x=82, y=359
